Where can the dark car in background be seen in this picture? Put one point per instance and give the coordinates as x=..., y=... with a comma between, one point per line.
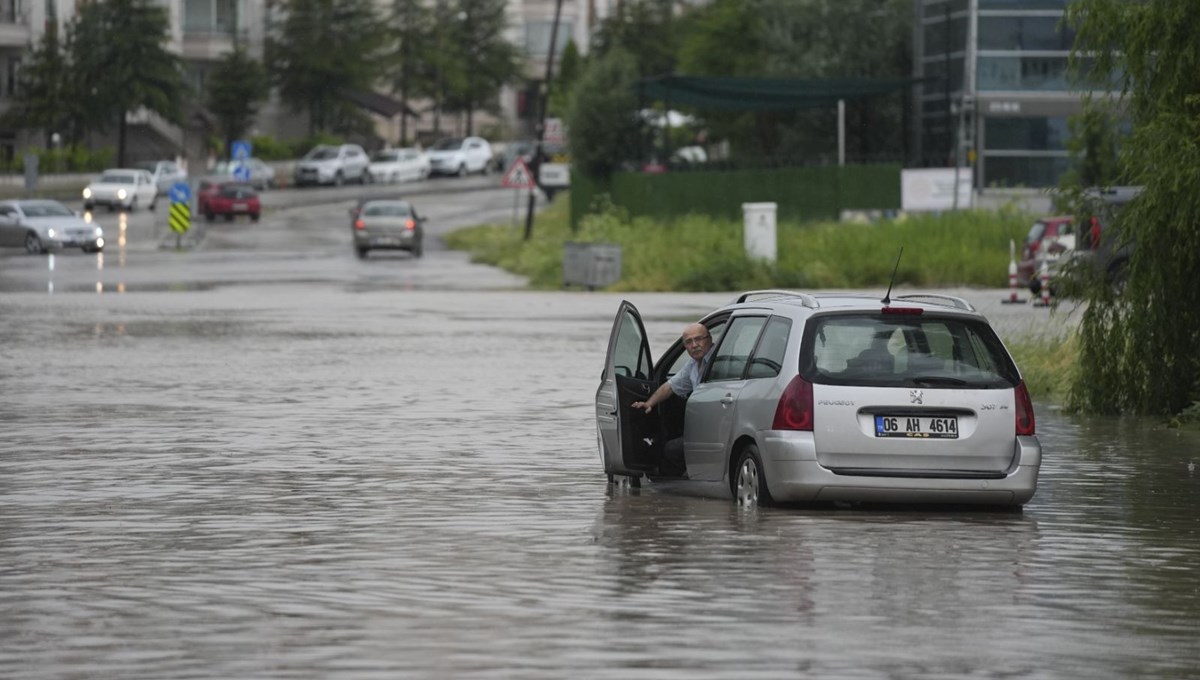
x=1102, y=250
x=387, y=224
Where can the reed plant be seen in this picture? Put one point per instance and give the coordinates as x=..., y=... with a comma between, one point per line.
x=699, y=253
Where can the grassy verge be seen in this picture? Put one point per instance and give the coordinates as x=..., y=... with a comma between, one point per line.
x=1048, y=366
x=701, y=254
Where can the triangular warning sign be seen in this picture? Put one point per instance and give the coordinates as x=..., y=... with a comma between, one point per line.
x=518, y=176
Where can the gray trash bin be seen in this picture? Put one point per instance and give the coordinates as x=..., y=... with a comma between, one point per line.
x=592, y=265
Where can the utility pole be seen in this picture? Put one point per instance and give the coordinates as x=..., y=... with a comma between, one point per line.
x=544, y=98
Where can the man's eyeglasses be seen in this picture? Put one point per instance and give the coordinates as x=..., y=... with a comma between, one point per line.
x=688, y=342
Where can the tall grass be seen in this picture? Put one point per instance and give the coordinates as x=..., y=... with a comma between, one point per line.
x=698, y=253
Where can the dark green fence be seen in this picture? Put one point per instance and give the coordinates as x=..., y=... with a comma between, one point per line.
x=810, y=193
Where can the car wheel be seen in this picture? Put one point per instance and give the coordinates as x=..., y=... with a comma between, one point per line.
x=338, y=180
x=362, y=253
x=133, y=205
x=462, y=171
x=254, y=217
x=487, y=169
x=209, y=216
x=749, y=482
x=88, y=206
x=229, y=217
x=33, y=244
x=418, y=249
x=153, y=203
x=1035, y=286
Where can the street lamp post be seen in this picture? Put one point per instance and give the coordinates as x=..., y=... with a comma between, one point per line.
x=543, y=96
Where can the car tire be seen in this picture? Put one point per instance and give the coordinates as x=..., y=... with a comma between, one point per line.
x=255, y=217
x=338, y=179
x=362, y=253
x=749, y=480
x=133, y=205
x=153, y=203
x=209, y=216
x=87, y=207
x=33, y=244
x=229, y=217
x=418, y=249
x=462, y=171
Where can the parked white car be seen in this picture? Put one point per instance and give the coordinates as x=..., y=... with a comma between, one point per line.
x=398, y=165
x=124, y=188
x=460, y=156
x=336, y=165
x=165, y=174
x=262, y=176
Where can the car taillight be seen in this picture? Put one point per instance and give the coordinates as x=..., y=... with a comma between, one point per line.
x=409, y=224
x=359, y=224
x=1025, y=420
x=795, y=409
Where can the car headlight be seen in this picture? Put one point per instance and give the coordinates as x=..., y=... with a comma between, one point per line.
x=87, y=192
x=98, y=232
x=121, y=194
x=50, y=233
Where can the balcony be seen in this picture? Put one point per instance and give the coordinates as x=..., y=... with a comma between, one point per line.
x=14, y=24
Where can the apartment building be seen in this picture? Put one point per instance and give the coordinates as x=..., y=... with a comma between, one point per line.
x=997, y=94
x=202, y=31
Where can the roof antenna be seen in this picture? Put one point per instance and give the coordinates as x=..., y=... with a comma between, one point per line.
x=887, y=297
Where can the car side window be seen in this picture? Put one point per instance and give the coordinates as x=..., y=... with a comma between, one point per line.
x=629, y=358
x=768, y=357
x=732, y=355
x=7, y=211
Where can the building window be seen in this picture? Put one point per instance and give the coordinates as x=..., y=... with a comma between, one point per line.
x=1024, y=33
x=1024, y=73
x=537, y=37
x=1024, y=171
x=208, y=17
x=1028, y=133
x=1023, y=4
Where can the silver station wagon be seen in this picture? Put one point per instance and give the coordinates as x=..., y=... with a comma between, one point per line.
x=829, y=398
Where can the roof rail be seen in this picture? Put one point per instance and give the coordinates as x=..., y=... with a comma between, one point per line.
x=934, y=298
x=805, y=299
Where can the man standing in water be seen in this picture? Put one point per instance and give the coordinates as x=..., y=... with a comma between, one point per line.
x=698, y=343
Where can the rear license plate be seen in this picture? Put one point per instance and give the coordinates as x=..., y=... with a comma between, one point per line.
x=917, y=427
x=240, y=207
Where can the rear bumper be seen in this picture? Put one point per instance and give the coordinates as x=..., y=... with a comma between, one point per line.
x=794, y=474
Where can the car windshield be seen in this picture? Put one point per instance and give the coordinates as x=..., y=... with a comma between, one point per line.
x=148, y=167
x=389, y=209
x=45, y=209
x=385, y=156
x=116, y=178
x=1036, y=232
x=907, y=350
x=448, y=144
x=322, y=153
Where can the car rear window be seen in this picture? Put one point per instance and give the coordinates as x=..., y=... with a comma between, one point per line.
x=386, y=210
x=906, y=350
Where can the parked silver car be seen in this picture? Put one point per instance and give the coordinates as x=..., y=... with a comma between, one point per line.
x=41, y=225
x=327, y=164
x=829, y=397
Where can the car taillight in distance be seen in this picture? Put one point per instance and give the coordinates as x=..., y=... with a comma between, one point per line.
x=795, y=409
x=1025, y=420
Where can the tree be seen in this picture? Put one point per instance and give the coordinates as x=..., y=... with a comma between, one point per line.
x=135, y=71
x=487, y=59
x=644, y=29
x=601, y=117
x=321, y=49
x=237, y=85
x=569, y=67
x=412, y=70
x=1138, y=348
x=42, y=99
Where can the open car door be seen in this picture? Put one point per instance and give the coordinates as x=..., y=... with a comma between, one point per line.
x=629, y=441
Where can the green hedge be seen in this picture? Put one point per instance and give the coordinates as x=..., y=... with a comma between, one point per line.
x=801, y=194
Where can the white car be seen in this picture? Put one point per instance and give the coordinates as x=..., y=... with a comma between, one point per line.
x=42, y=225
x=262, y=176
x=460, y=156
x=165, y=173
x=398, y=165
x=336, y=165
x=124, y=188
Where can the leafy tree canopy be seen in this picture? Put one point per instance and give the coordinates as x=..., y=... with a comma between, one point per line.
x=601, y=117
x=237, y=86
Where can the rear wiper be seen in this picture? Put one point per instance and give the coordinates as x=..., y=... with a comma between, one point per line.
x=938, y=380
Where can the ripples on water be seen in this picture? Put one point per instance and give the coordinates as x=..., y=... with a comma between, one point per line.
x=308, y=484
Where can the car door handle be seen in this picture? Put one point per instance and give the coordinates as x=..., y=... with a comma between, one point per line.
x=612, y=412
x=727, y=400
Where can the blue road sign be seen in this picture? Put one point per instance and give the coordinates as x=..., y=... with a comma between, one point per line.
x=241, y=172
x=180, y=192
x=240, y=150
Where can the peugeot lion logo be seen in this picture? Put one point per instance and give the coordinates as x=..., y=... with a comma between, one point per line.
x=916, y=396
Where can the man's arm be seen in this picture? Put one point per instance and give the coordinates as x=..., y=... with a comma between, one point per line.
x=660, y=395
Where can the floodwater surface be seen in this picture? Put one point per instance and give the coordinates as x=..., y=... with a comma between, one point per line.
x=305, y=482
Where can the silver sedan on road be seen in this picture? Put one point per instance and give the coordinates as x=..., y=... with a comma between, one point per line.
x=41, y=225
x=384, y=224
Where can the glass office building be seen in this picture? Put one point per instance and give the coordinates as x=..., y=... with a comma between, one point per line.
x=995, y=90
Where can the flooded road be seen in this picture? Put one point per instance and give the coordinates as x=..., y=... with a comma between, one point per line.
x=306, y=480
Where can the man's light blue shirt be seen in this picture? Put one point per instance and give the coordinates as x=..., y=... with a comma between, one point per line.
x=683, y=382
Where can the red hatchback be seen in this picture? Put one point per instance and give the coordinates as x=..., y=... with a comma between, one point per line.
x=229, y=199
